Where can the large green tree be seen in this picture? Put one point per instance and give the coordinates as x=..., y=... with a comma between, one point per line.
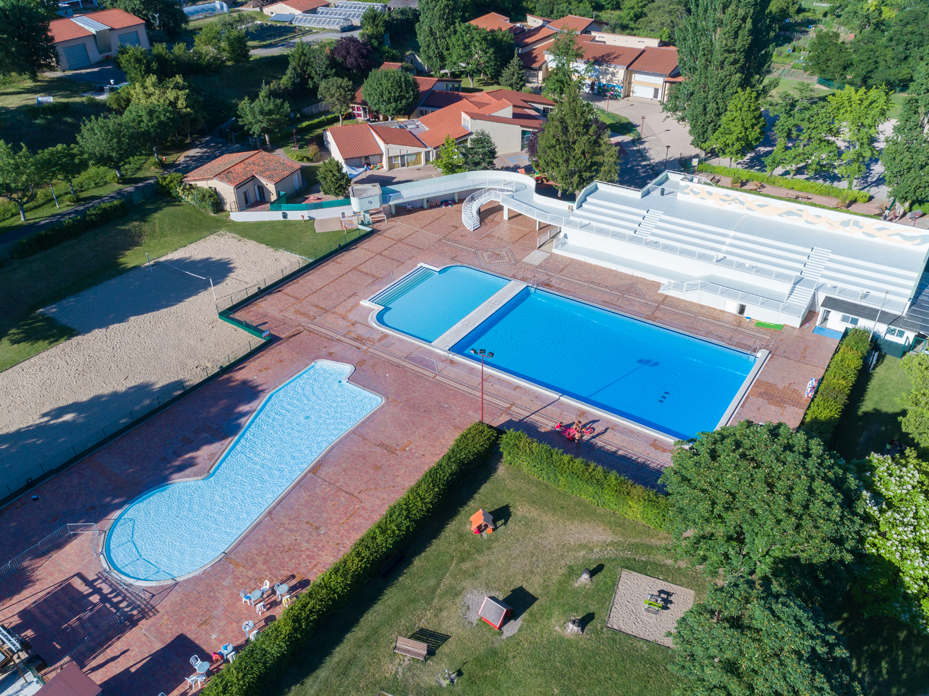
x=333, y=181
x=173, y=92
x=806, y=137
x=20, y=173
x=26, y=45
x=449, y=159
x=109, y=141
x=63, y=163
x=390, y=92
x=136, y=62
x=514, y=74
x=564, y=75
x=723, y=45
x=573, y=147
x=159, y=15
x=373, y=26
x=749, y=638
x=338, y=94
x=857, y=114
x=906, y=155
x=758, y=499
x=742, y=127
x=900, y=529
x=916, y=399
x=309, y=64
x=153, y=123
x=479, y=153
x=830, y=57
x=263, y=115
x=436, y=19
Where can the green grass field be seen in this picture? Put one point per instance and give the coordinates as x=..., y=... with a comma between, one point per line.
x=872, y=415
x=535, y=558
x=158, y=227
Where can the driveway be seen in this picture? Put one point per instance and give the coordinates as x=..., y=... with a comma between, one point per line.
x=309, y=38
x=662, y=136
x=97, y=75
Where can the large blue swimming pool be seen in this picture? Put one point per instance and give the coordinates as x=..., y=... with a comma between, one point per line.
x=177, y=529
x=665, y=380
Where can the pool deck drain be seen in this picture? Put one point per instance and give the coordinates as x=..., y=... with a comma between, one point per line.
x=479, y=315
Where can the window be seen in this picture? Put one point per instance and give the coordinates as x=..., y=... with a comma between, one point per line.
x=897, y=333
x=260, y=192
x=247, y=199
x=524, y=139
x=851, y=321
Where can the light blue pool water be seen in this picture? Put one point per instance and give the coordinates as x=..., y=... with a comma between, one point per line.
x=431, y=308
x=177, y=529
x=659, y=378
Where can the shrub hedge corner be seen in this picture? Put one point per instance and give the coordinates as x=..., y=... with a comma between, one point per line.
x=70, y=228
x=814, y=187
x=592, y=482
x=257, y=668
x=826, y=409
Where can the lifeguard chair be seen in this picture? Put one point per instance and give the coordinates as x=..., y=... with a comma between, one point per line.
x=494, y=612
x=482, y=522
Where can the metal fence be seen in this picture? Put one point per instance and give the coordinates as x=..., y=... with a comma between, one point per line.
x=42, y=547
x=233, y=298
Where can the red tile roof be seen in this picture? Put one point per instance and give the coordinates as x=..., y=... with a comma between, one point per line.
x=396, y=136
x=658, y=61
x=237, y=167
x=519, y=97
x=535, y=58
x=533, y=35
x=622, y=56
x=493, y=21
x=531, y=123
x=391, y=66
x=355, y=140
x=66, y=29
x=571, y=23
x=425, y=85
x=444, y=122
x=302, y=6
x=441, y=98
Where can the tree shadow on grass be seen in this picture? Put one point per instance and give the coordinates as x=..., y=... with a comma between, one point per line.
x=333, y=629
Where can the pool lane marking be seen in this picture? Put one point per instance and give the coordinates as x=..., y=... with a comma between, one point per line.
x=479, y=315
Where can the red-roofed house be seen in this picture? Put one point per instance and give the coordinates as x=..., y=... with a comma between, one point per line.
x=508, y=117
x=493, y=22
x=86, y=39
x=241, y=179
x=622, y=67
x=579, y=25
x=529, y=38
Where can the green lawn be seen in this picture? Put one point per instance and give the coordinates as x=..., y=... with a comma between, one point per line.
x=158, y=227
x=872, y=416
x=548, y=538
x=620, y=125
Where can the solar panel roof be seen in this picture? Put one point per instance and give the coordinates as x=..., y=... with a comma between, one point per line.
x=323, y=22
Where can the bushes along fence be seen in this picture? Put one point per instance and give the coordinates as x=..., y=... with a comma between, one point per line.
x=825, y=410
x=592, y=482
x=257, y=668
x=804, y=185
x=70, y=228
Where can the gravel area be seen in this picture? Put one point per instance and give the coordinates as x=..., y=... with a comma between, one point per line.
x=144, y=334
x=628, y=611
x=472, y=605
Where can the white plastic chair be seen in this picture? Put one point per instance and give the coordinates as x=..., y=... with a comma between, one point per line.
x=196, y=680
x=230, y=656
x=267, y=585
x=245, y=599
x=194, y=661
x=260, y=608
x=286, y=600
x=253, y=635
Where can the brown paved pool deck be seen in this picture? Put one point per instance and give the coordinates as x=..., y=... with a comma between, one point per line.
x=59, y=599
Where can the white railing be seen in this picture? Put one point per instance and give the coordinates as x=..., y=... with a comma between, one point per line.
x=419, y=192
x=471, y=210
x=733, y=294
x=40, y=548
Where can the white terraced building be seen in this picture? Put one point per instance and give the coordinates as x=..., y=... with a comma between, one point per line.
x=764, y=258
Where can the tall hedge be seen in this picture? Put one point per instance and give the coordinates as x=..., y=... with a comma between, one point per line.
x=257, y=668
x=825, y=410
x=804, y=185
x=592, y=482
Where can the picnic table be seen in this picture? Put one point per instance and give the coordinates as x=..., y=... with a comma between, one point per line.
x=411, y=648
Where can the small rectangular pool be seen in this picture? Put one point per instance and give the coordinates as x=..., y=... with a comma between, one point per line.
x=661, y=379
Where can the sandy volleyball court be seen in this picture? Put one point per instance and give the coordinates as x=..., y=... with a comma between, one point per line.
x=143, y=334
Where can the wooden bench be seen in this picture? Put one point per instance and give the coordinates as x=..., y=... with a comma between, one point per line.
x=411, y=648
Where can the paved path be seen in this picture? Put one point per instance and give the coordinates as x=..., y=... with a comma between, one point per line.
x=309, y=38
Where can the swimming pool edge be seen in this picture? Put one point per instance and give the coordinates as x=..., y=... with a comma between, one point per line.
x=104, y=560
